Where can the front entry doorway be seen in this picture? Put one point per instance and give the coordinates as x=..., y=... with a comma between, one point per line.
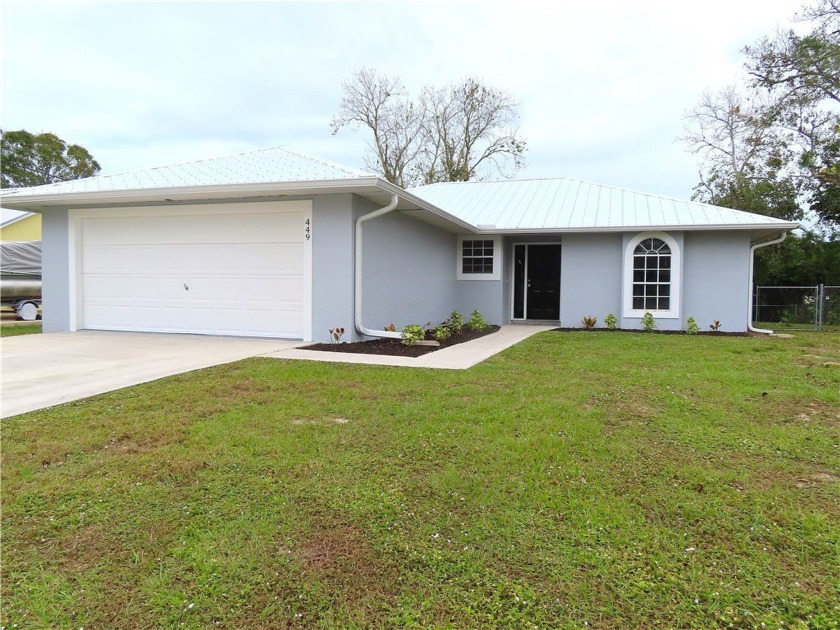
x=536, y=281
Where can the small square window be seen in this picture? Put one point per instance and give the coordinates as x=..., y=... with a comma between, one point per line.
x=477, y=257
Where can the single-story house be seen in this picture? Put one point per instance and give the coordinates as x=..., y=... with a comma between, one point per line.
x=273, y=243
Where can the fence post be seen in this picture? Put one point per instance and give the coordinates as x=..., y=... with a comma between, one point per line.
x=820, y=306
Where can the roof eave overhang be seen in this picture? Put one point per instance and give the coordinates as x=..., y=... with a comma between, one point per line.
x=750, y=227
x=366, y=186
x=41, y=202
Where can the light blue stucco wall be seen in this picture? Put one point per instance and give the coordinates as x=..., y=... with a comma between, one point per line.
x=409, y=272
x=486, y=296
x=714, y=279
x=55, y=266
x=716, y=282
x=590, y=277
x=332, y=265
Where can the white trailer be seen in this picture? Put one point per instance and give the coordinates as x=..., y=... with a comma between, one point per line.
x=20, y=278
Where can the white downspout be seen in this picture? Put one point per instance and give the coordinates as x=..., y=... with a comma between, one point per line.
x=775, y=241
x=357, y=290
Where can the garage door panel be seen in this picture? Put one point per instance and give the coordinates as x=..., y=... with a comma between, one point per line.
x=101, y=288
x=217, y=274
x=120, y=259
x=203, y=259
x=258, y=292
x=281, y=227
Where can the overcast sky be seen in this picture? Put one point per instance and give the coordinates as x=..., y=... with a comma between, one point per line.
x=602, y=86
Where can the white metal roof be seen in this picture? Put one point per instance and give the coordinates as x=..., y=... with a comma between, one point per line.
x=565, y=204
x=509, y=206
x=9, y=216
x=276, y=164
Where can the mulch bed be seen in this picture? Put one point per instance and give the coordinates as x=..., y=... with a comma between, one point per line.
x=710, y=333
x=395, y=347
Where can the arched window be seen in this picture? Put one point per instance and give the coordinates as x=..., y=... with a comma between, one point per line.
x=652, y=275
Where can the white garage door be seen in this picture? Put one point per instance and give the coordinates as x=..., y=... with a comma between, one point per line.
x=214, y=270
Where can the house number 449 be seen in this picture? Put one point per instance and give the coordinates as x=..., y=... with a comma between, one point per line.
x=307, y=232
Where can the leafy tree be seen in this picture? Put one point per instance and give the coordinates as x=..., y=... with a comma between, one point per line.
x=743, y=162
x=806, y=260
x=780, y=143
x=456, y=133
x=801, y=67
x=33, y=160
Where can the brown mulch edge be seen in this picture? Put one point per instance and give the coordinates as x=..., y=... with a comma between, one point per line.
x=705, y=333
x=395, y=347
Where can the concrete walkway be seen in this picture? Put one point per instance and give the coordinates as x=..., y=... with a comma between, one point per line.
x=40, y=371
x=458, y=357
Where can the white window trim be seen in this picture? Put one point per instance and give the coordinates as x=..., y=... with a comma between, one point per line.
x=676, y=276
x=497, y=259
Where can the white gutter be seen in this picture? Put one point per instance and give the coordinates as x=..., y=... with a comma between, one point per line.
x=357, y=287
x=775, y=241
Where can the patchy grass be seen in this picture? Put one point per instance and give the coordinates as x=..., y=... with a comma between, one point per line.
x=575, y=480
x=13, y=330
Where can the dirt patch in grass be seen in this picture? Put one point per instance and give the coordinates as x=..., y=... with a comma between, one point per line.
x=395, y=347
x=136, y=444
x=817, y=479
x=340, y=556
x=333, y=420
x=85, y=547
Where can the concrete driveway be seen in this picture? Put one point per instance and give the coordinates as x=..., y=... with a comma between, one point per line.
x=40, y=371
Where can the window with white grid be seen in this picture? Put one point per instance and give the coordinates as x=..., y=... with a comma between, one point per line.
x=652, y=276
x=479, y=258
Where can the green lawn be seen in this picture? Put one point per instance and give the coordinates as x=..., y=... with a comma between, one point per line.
x=12, y=330
x=578, y=480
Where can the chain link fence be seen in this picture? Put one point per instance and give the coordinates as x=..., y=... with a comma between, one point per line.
x=797, y=308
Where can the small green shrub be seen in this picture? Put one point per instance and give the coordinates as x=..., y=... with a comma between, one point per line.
x=456, y=322
x=412, y=333
x=611, y=322
x=477, y=321
x=715, y=325
x=443, y=332
x=691, y=326
x=648, y=324
x=589, y=321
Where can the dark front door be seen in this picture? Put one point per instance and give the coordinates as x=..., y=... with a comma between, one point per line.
x=536, y=281
x=543, y=284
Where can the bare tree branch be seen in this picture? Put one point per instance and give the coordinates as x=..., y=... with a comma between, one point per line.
x=455, y=133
